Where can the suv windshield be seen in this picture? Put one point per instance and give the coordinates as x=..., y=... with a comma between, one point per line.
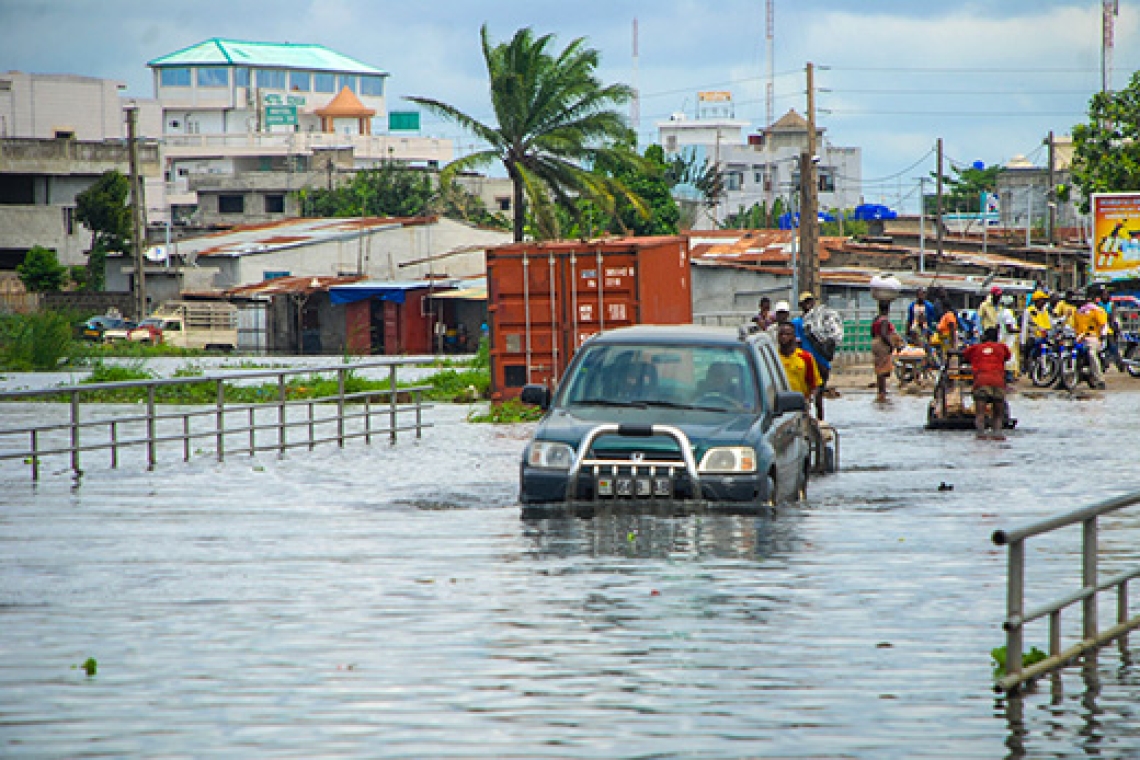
x=706, y=377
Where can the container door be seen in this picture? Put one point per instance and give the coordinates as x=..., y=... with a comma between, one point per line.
x=601, y=295
x=524, y=320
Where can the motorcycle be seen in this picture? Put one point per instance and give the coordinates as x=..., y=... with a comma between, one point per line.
x=1044, y=363
x=1075, y=361
x=1129, y=345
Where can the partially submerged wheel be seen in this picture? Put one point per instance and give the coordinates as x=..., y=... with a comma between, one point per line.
x=1132, y=354
x=1043, y=371
x=1068, y=373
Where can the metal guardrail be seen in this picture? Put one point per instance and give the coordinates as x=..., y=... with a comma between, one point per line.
x=219, y=422
x=1017, y=617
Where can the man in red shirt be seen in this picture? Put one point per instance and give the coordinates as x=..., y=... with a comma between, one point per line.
x=987, y=359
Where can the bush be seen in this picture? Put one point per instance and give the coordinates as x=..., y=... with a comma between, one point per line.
x=30, y=342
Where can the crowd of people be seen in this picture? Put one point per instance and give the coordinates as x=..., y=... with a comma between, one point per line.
x=1088, y=314
x=997, y=340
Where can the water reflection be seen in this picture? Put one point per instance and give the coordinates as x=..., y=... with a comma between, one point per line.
x=693, y=537
x=1086, y=719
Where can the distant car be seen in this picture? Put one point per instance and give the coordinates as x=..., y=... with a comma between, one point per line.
x=147, y=331
x=683, y=418
x=96, y=328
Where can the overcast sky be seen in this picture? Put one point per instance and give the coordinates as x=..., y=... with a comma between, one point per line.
x=990, y=78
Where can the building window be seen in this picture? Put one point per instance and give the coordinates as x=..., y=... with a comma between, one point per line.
x=69, y=220
x=275, y=274
x=65, y=134
x=275, y=204
x=826, y=182
x=271, y=79
x=241, y=77
x=372, y=86
x=504, y=204
x=732, y=181
x=176, y=77
x=231, y=204
x=324, y=82
x=349, y=81
x=299, y=81
x=213, y=77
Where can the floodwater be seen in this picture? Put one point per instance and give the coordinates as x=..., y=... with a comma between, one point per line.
x=389, y=602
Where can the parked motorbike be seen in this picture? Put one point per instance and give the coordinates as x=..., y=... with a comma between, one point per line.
x=1129, y=345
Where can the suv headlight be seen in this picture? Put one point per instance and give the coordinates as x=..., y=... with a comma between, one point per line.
x=549, y=455
x=729, y=459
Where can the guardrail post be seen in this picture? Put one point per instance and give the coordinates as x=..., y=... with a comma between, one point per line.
x=35, y=455
x=114, y=431
x=151, y=432
x=1015, y=607
x=1122, y=602
x=75, y=433
x=368, y=420
x=281, y=414
x=340, y=407
x=1089, y=576
x=419, y=415
x=392, y=404
x=220, y=421
x=252, y=430
x=186, y=438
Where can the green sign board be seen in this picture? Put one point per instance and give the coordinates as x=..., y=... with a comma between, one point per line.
x=403, y=121
x=280, y=115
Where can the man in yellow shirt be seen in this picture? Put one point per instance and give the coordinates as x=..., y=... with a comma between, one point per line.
x=799, y=365
x=1063, y=310
x=1035, y=325
x=1089, y=323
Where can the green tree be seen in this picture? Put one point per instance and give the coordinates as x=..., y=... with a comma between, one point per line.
x=1106, y=150
x=390, y=189
x=553, y=118
x=656, y=214
x=963, y=192
x=102, y=208
x=41, y=271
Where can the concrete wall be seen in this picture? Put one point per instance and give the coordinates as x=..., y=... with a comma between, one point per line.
x=43, y=105
x=725, y=289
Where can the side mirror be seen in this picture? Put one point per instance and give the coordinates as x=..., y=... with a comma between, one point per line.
x=537, y=395
x=790, y=401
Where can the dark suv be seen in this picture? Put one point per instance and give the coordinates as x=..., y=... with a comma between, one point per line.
x=679, y=417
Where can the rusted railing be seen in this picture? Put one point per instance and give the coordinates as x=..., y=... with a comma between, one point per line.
x=1091, y=637
x=233, y=428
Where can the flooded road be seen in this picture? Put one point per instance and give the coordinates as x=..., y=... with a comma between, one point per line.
x=389, y=602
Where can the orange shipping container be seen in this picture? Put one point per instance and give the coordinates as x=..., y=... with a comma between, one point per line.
x=545, y=299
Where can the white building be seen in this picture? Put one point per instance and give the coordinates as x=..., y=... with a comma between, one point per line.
x=232, y=108
x=377, y=248
x=58, y=134
x=765, y=166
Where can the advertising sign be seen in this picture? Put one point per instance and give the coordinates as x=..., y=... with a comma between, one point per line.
x=1116, y=236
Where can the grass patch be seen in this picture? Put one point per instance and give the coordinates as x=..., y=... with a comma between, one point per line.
x=508, y=412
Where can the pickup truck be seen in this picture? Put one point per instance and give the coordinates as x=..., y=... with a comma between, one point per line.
x=209, y=325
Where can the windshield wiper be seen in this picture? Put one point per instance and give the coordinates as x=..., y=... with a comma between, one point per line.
x=609, y=402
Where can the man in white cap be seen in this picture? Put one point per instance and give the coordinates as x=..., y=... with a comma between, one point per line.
x=783, y=313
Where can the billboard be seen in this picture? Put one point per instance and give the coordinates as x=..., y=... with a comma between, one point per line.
x=1116, y=236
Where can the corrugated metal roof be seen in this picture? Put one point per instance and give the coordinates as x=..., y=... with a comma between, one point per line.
x=293, y=285
x=289, y=233
x=287, y=55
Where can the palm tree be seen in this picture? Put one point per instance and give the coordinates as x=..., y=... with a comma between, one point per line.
x=554, y=117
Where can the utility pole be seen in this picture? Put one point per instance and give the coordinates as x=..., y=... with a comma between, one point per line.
x=1051, y=195
x=922, y=224
x=938, y=207
x=136, y=211
x=809, y=204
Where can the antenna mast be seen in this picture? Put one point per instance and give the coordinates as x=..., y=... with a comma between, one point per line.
x=635, y=101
